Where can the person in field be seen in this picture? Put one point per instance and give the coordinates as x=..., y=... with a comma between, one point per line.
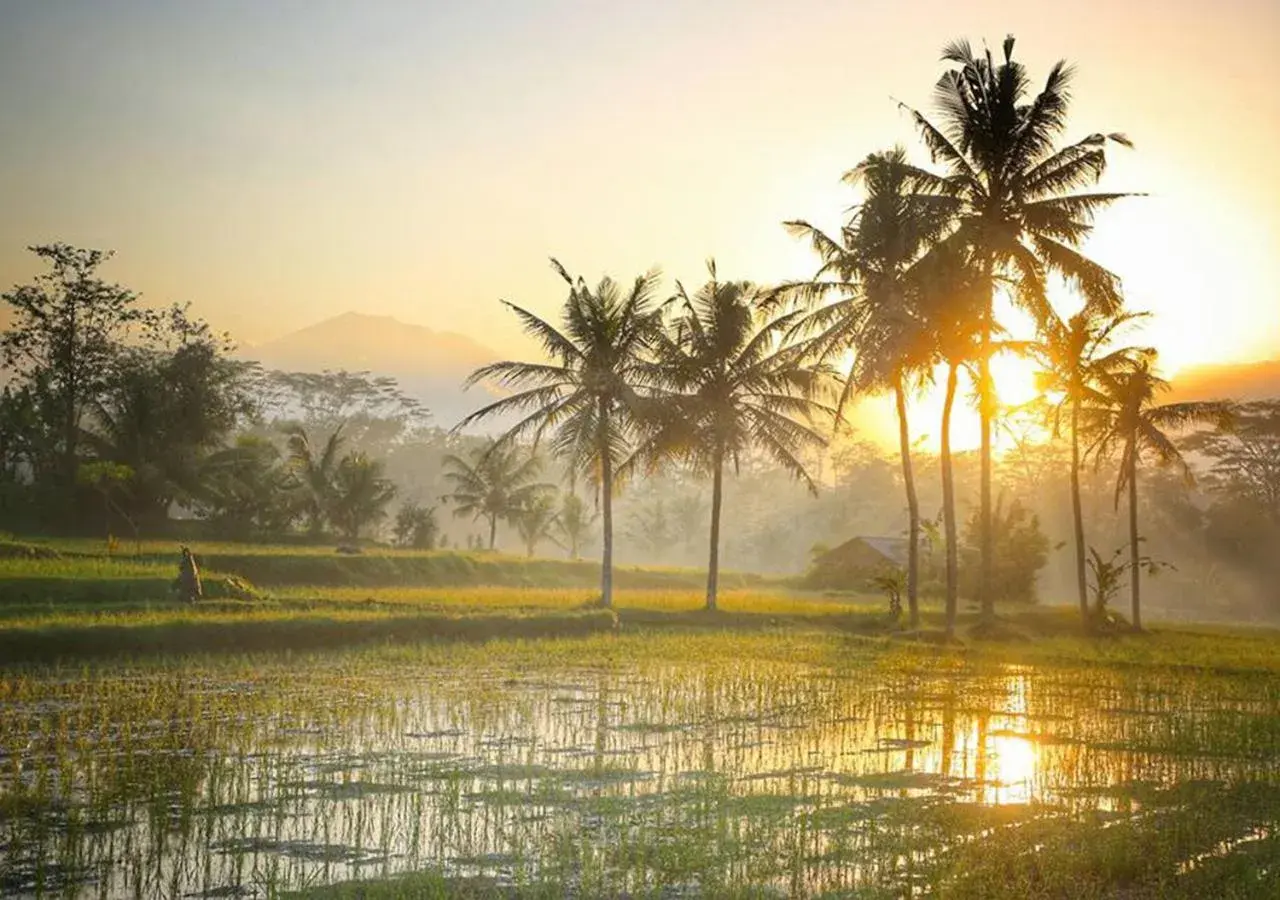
x=189, y=587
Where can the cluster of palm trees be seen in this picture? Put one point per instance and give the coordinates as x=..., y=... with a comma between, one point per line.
x=906, y=289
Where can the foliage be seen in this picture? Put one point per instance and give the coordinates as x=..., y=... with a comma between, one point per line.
x=1106, y=576
x=315, y=469
x=536, y=520
x=573, y=523
x=360, y=494
x=1021, y=551
x=416, y=527
x=497, y=484
x=586, y=395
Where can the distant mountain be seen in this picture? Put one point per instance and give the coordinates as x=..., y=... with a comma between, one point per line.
x=1228, y=381
x=430, y=365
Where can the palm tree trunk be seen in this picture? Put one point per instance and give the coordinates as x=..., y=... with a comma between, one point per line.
x=949, y=505
x=986, y=402
x=606, y=512
x=1134, y=570
x=713, y=563
x=1077, y=514
x=493, y=531
x=986, y=536
x=913, y=505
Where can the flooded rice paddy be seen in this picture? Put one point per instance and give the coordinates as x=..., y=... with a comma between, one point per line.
x=876, y=775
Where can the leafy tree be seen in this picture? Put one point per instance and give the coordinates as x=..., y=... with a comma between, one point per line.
x=727, y=385
x=108, y=478
x=573, y=523
x=1021, y=551
x=1019, y=212
x=495, y=485
x=360, y=494
x=164, y=409
x=1246, y=460
x=1074, y=355
x=586, y=394
x=536, y=520
x=416, y=526
x=1123, y=415
x=248, y=489
x=873, y=272
x=316, y=471
x=63, y=344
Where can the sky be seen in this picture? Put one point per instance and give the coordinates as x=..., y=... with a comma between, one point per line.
x=278, y=162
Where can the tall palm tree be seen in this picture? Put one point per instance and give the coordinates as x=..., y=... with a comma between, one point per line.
x=869, y=282
x=1124, y=415
x=495, y=485
x=726, y=385
x=1074, y=355
x=587, y=393
x=1022, y=215
x=315, y=470
x=949, y=299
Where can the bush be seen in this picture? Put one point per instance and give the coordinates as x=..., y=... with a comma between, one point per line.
x=1021, y=550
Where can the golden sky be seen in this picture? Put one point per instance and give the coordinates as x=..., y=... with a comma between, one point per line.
x=280, y=162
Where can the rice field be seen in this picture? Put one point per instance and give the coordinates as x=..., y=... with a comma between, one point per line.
x=690, y=764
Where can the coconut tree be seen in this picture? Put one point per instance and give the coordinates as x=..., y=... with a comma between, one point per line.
x=1124, y=416
x=726, y=385
x=315, y=469
x=496, y=484
x=1022, y=211
x=573, y=523
x=361, y=493
x=536, y=520
x=868, y=292
x=1074, y=354
x=585, y=395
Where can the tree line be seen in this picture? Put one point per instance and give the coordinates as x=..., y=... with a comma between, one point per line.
x=909, y=284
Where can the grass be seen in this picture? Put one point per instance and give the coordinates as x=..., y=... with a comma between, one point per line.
x=350, y=735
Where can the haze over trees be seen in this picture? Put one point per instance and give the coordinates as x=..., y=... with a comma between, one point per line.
x=656, y=416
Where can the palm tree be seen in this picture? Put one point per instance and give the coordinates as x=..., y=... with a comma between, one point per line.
x=1020, y=213
x=872, y=271
x=587, y=393
x=725, y=386
x=361, y=493
x=949, y=299
x=1074, y=357
x=573, y=522
x=1123, y=414
x=495, y=485
x=315, y=471
x=536, y=520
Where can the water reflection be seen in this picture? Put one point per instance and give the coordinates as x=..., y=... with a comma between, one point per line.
x=603, y=781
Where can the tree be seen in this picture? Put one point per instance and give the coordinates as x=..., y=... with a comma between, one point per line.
x=536, y=520
x=165, y=407
x=248, y=489
x=1074, y=355
x=1021, y=551
x=586, y=394
x=495, y=485
x=416, y=526
x=1123, y=416
x=873, y=272
x=316, y=471
x=67, y=330
x=573, y=523
x=107, y=478
x=727, y=385
x=360, y=494
x=1019, y=213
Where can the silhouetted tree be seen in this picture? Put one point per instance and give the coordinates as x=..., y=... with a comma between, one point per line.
x=587, y=392
x=360, y=495
x=1020, y=214
x=316, y=470
x=1124, y=416
x=1074, y=354
x=495, y=485
x=727, y=384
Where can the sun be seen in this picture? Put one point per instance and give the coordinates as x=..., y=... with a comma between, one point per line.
x=1015, y=380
